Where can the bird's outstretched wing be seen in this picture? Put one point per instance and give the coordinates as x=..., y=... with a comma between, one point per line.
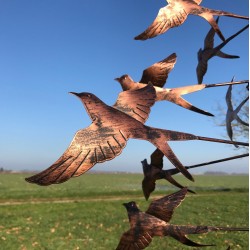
x=89, y=146
x=157, y=159
x=209, y=39
x=163, y=208
x=168, y=17
x=229, y=98
x=224, y=55
x=201, y=69
x=132, y=240
x=157, y=74
x=137, y=103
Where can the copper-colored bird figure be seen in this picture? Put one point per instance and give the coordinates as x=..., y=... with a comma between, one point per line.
x=106, y=137
x=154, y=171
x=155, y=222
x=175, y=14
x=157, y=74
x=210, y=51
x=232, y=114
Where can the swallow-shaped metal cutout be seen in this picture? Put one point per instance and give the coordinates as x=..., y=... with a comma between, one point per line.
x=210, y=51
x=157, y=74
x=154, y=171
x=232, y=114
x=175, y=14
x=155, y=222
x=106, y=137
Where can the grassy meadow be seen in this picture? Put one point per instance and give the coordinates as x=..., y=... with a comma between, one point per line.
x=87, y=212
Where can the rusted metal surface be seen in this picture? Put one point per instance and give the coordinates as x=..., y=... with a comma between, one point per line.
x=232, y=114
x=175, y=14
x=162, y=94
x=157, y=75
x=154, y=171
x=155, y=222
x=106, y=137
x=209, y=51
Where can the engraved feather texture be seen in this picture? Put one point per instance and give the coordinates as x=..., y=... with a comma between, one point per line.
x=157, y=75
x=104, y=139
x=175, y=14
x=139, y=108
x=155, y=222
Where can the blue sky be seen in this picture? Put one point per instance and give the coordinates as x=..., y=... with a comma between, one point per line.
x=49, y=48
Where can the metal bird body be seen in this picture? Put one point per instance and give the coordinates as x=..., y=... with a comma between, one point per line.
x=176, y=12
x=232, y=114
x=166, y=94
x=155, y=222
x=106, y=137
x=154, y=171
x=157, y=75
x=173, y=95
x=209, y=51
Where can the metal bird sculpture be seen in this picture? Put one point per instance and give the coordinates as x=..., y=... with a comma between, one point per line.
x=210, y=51
x=157, y=74
x=175, y=14
x=232, y=114
x=106, y=137
x=155, y=222
x=154, y=171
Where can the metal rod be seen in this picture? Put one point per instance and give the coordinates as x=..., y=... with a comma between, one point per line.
x=222, y=141
x=176, y=171
x=225, y=84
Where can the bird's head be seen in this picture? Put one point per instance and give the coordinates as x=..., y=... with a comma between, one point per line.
x=87, y=98
x=131, y=206
x=91, y=103
x=126, y=82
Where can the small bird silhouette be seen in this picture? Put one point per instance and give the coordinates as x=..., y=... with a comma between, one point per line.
x=155, y=222
x=157, y=74
x=210, y=51
x=175, y=14
x=232, y=114
x=106, y=137
x=154, y=171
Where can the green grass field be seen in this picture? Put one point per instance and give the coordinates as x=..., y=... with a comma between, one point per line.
x=87, y=212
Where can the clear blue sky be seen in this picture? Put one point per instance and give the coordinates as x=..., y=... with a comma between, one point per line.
x=51, y=47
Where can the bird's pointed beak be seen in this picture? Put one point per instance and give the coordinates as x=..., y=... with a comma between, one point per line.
x=117, y=79
x=125, y=204
x=74, y=93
